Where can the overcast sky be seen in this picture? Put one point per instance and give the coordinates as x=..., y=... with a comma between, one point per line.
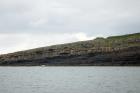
x=26, y=24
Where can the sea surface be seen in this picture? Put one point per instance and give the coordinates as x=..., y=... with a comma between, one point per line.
x=70, y=79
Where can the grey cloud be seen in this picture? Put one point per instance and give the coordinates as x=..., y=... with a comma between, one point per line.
x=95, y=17
x=26, y=24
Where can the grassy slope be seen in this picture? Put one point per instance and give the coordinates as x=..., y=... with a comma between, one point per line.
x=113, y=42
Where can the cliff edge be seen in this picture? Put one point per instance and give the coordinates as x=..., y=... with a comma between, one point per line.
x=111, y=51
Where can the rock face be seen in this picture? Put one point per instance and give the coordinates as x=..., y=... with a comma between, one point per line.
x=111, y=51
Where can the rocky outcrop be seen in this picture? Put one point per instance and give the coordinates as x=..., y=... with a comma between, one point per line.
x=116, y=50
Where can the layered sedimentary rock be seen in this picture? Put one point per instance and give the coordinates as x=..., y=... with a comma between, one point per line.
x=116, y=50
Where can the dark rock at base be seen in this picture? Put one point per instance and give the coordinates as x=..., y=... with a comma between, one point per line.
x=112, y=51
x=124, y=58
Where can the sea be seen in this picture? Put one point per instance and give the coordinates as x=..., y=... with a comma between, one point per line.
x=60, y=79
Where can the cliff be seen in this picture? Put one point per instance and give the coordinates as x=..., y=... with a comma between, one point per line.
x=111, y=51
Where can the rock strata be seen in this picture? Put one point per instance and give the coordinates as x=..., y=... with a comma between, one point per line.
x=112, y=51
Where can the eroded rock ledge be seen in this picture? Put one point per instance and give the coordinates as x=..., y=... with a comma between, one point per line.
x=111, y=51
